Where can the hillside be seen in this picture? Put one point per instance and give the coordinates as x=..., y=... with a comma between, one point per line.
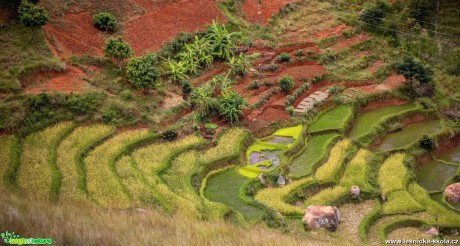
x=220, y=122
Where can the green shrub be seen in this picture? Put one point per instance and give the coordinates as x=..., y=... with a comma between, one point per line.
x=32, y=16
x=142, y=71
x=427, y=142
x=272, y=67
x=336, y=89
x=104, y=21
x=285, y=83
x=169, y=135
x=254, y=85
x=267, y=83
x=186, y=88
x=298, y=52
x=283, y=57
x=85, y=104
x=373, y=15
x=231, y=104
x=290, y=110
x=119, y=50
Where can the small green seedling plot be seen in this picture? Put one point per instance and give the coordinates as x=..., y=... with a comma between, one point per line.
x=103, y=184
x=433, y=174
x=6, y=143
x=37, y=174
x=366, y=123
x=316, y=148
x=69, y=160
x=224, y=187
x=333, y=119
x=408, y=135
x=451, y=156
x=264, y=155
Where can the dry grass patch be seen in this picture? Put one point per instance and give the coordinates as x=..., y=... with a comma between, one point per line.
x=69, y=163
x=35, y=174
x=329, y=170
x=102, y=182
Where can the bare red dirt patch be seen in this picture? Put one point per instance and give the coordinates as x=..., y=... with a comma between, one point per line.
x=74, y=35
x=166, y=19
x=349, y=42
x=47, y=82
x=335, y=31
x=261, y=11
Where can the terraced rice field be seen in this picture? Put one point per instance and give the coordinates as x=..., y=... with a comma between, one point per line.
x=37, y=174
x=366, y=122
x=334, y=119
x=225, y=187
x=408, y=135
x=97, y=165
x=316, y=149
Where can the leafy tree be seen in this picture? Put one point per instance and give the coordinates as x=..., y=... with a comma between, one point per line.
x=104, y=21
x=204, y=102
x=420, y=9
x=221, y=40
x=231, y=104
x=414, y=72
x=176, y=70
x=142, y=71
x=117, y=49
x=373, y=15
x=32, y=16
x=285, y=83
x=238, y=64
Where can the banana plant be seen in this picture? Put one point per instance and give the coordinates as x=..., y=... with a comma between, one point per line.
x=221, y=40
x=231, y=104
x=202, y=99
x=187, y=56
x=176, y=70
x=203, y=51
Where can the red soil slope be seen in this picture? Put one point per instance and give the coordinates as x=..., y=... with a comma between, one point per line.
x=261, y=11
x=75, y=35
x=163, y=21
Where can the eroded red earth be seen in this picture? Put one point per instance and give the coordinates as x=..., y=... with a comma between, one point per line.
x=261, y=11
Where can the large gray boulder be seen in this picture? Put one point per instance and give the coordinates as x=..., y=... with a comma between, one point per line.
x=321, y=217
x=452, y=192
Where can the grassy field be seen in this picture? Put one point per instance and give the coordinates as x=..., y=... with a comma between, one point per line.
x=69, y=160
x=131, y=228
x=37, y=174
x=6, y=143
x=21, y=55
x=393, y=174
x=229, y=144
x=103, y=184
x=224, y=187
x=366, y=122
x=314, y=152
x=334, y=119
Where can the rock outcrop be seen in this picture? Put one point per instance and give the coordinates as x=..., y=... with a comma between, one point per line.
x=321, y=217
x=452, y=192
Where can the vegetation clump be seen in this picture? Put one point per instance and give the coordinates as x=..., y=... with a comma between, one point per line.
x=285, y=83
x=104, y=21
x=142, y=72
x=117, y=49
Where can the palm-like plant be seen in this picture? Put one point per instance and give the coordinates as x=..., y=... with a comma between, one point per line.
x=203, y=51
x=187, y=56
x=230, y=106
x=202, y=99
x=221, y=40
x=238, y=64
x=176, y=70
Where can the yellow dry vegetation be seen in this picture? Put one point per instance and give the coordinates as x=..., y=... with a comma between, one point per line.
x=102, y=183
x=6, y=143
x=274, y=197
x=68, y=154
x=35, y=174
x=330, y=169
